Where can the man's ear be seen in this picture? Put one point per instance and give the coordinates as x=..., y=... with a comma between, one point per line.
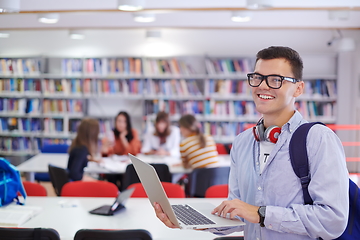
x=299, y=89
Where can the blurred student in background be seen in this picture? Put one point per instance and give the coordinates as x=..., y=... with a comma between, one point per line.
x=163, y=139
x=83, y=148
x=124, y=139
x=197, y=150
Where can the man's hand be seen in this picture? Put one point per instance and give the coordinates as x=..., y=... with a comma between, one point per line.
x=162, y=216
x=239, y=208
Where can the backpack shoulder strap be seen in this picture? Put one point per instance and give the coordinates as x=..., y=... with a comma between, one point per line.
x=21, y=190
x=299, y=158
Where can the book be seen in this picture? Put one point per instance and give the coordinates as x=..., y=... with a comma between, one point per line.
x=17, y=215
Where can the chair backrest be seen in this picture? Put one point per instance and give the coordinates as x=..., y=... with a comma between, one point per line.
x=130, y=175
x=217, y=191
x=34, y=189
x=89, y=189
x=50, y=148
x=101, y=234
x=29, y=234
x=201, y=179
x=172, y=190
x=55, y=148
x=59, y=177
x=221, y=148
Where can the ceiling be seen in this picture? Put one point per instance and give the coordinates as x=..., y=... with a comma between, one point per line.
x=185, y=14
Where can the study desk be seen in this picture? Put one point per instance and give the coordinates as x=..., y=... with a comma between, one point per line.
x=115, y=164
x=68, y=215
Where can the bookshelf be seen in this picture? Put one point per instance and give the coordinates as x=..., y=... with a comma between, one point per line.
x=42, y=100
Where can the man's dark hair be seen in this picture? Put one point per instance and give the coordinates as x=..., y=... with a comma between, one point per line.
x=288, y=54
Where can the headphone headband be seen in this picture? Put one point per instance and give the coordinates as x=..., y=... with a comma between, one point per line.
x=270, y=134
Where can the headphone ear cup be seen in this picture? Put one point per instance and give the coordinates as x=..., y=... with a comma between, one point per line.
x=261, y=130
x=272, y=134
x=258, y=131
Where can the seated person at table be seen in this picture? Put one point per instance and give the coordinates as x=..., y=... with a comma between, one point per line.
x=123, y=140
x=83, y=149
x=197, y=150
x=163, y=139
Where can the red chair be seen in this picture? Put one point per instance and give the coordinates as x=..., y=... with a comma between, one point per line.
x=89, y=189
x=172, y=190
x=221, y=148
x=34, y=189
x=217, y=191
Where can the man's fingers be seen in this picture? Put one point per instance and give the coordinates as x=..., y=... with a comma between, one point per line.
x=162, y=216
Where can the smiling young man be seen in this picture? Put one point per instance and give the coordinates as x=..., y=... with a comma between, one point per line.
x=263, y=188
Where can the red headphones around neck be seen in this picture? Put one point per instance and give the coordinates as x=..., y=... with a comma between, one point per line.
x=270, y=134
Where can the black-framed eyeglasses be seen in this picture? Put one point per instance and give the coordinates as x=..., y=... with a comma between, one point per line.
x=273, y=81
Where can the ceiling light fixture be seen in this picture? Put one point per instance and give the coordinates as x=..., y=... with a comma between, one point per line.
x=241, y=16
x=259, y=4
x=131, y=5
x=76, y=34
x=144, y=17
x=153, y=34
x=10, y=6
x=339, y=15
x=48, y=18
x=346, y=45
x=4, y=35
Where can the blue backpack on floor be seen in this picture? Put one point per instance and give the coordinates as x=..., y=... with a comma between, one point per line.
x=10, y=183
x=300, y=163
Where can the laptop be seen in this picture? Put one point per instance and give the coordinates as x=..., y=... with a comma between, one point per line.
x=108, y=210
x=184, y=216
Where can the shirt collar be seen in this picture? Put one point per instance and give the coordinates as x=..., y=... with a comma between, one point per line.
x=293, y=122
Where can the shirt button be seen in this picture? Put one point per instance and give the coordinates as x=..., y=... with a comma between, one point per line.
x=257, y=238
x=270, y=226
x=257, y=163
x=259, y=188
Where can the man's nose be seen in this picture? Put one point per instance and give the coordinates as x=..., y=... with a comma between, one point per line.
x=263, y=85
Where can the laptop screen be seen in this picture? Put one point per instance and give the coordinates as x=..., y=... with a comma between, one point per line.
x=121, y=198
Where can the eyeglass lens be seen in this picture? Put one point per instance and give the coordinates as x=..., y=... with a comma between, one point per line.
x=272, y=81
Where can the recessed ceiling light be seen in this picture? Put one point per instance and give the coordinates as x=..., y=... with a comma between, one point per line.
x=241, y=16
x=76, y=34
x=144, y=17
x=48, y=18
x=4, y=35
x=131, y=5
x=259, y=4
x=9, y=5
x=339, y=15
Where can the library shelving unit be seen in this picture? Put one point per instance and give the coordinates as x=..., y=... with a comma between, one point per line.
x=20, y=90
x=33, y=109
x=43, y=99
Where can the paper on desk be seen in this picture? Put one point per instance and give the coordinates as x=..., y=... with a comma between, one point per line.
x=113, y=165
x=121, y=158
x=16, y=215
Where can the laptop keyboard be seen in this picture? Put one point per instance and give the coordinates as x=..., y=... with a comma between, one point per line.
x=190, y=216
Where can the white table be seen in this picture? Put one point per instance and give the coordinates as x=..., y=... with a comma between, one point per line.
x=138, y=214
x=116, y=164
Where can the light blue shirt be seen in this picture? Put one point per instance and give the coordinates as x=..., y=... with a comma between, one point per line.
x=279, y=189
